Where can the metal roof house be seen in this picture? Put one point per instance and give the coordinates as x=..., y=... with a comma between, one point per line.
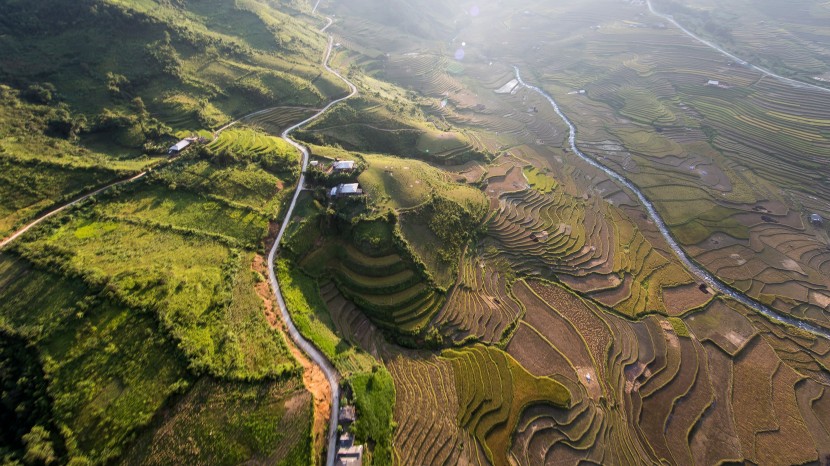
x=344, y=165
x=352, y=456
x=179, y=146
x=348, y=454
x=349, y=189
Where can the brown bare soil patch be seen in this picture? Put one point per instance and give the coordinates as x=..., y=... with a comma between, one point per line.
x=594, y=330
x=714, y=439
x=556, y=329
x=538, y=355
x=273, y=231
x=512, y=181
x=314, y=379
x=679, y=299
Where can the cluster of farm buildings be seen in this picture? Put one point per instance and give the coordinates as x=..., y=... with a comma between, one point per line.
x=342, y=189
x=348, y=454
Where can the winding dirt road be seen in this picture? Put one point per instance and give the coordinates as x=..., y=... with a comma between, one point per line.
x=60, y=209
x=84, y=197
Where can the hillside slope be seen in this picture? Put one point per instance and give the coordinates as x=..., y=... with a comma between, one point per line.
x=146, y=320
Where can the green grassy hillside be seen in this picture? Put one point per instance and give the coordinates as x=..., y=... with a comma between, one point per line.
x=195, y=64
x=394, y=251
x=141, y=307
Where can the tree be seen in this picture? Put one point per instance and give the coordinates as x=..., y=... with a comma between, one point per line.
x=118, y=85
x=42, y=93
x=39, y=449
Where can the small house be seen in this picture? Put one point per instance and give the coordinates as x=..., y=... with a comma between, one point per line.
x=346, y=440
x=347, y=414
x=179, y=146
x=344, y=166
x=314, y=163
x=539, y=236
x=713, y=82
x=816, y=220
x=348, y=189
x=352, y=456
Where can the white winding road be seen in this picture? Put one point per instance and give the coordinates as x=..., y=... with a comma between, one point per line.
x=790, y=81
x=307, y=347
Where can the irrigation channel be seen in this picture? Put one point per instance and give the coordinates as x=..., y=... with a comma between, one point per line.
x=312, y=351
x=714, y=282
x=793, y=82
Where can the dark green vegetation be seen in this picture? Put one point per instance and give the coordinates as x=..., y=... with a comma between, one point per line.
x=41, y=167
x=108, y=367
x=375, y=400
x=194, y=64
x=24, y=408
x=105, y=86
x=219, y=423
x=164, y=284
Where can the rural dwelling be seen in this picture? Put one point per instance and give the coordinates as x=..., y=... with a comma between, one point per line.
x=712, y=82
x=816, y=220
x=343, y=190
x=179, y=146
x=347, y=414
x=539, y=236
x=352, y=456
x=346, y=440
x=344, y=166
x=348, y=454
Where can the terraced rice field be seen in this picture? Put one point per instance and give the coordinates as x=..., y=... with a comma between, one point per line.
x=274, y=121
x=572, y=279
x=486, y=390
x=248, y=141
x=605, y=256
x=481, y=305
x=388, y=288
x=720, y=170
